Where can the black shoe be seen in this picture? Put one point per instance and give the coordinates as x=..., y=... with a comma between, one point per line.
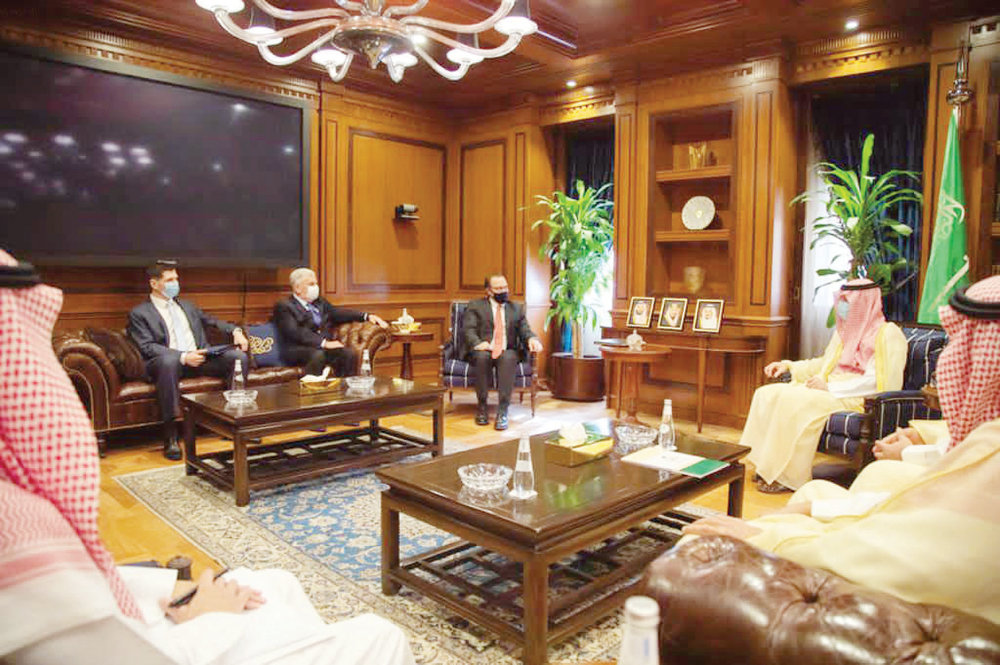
x=501, y=423
x=171, y=449
x=482, y=418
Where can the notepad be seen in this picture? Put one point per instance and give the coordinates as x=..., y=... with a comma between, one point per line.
x=655, y=457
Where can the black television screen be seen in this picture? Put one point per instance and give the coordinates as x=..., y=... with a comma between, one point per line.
x=113, y=165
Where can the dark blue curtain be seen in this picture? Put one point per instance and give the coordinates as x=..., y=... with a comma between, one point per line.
x=590, y=157
x=895, y=111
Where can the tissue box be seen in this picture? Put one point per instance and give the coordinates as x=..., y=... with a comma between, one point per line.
x=591, y=449
x=315, y=387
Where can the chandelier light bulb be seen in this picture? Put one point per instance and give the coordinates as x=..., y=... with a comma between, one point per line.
x=329, y=57
x=402, y=59
x=517, y=21
x=228, y=6
x=461, y=56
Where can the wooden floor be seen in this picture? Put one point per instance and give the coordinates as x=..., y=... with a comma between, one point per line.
x=134, y=533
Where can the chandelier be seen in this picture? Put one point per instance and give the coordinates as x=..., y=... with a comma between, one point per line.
x=393, y=35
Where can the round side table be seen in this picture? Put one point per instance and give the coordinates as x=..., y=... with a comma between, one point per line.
x=407, y=339
x=630, y=363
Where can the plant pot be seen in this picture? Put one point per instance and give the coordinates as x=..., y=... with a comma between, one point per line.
x=578, y=379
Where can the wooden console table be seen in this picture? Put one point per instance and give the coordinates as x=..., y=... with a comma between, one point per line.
x=407, y=339
x=629, y=363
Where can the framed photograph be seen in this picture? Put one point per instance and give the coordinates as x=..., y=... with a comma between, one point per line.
x=672, y=311
x=708, y=316
x=640, y=312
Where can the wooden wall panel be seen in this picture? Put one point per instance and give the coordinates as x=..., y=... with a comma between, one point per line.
x=385, y=253
x=760, y=276
x=482, y=247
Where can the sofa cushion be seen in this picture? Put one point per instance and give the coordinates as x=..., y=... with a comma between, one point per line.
x=122, y=352
x=264, y=345
x=924, y=346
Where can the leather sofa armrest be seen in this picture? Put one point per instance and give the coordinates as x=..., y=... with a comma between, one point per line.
x=725, y=601
x=93, y=375
x=361, y=335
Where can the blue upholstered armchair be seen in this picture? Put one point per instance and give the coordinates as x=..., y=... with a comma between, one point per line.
x=456, y=373
x=850, y=434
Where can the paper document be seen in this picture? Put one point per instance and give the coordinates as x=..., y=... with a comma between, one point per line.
x=655, y=457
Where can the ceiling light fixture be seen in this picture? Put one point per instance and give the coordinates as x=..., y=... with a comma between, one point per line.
x=571, y=84
x=392, y=35
x=852, y=24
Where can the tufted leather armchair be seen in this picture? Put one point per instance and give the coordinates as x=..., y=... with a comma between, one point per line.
x=725, y=601
x=110, y=376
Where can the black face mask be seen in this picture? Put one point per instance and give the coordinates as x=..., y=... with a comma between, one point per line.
x=501, y=297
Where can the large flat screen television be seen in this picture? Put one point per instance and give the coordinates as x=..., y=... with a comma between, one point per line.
x=107, y=164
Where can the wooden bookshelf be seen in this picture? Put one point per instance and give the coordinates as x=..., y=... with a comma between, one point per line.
x=701, y=173
x=713, y=235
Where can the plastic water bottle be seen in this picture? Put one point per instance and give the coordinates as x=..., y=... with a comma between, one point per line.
x=524, y=471
x=667, y=437
x=239, y=385
x=366, y=363
x=639, y=635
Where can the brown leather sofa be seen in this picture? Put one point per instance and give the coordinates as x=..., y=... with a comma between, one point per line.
x=109, y=374
x=724, y=601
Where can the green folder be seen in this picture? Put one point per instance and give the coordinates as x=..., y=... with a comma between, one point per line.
x=703, y=468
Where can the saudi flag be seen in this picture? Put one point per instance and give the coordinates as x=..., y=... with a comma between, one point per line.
x=949, y=260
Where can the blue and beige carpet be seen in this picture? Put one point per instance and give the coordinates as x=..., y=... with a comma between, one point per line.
x=327, y=533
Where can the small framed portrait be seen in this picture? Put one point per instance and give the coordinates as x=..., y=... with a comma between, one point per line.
x=708, y=316
x=672, y=311
x=640, y=312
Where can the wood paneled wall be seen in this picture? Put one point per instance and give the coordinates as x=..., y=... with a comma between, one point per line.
x=473, y=182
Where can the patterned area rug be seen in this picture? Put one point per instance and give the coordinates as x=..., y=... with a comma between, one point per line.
x=327, y=533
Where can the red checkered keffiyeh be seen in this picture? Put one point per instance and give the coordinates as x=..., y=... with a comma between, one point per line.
x=47, y=446
x=859, y=330
x=968, y=371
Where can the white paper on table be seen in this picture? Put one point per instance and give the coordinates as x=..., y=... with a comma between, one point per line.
x=657, y=458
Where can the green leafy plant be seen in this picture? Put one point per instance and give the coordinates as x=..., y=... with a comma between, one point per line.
x=579, y=244
x=857, y=207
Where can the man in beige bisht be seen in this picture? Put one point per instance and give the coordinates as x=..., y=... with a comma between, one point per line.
x=866, y=356
x=925, y=533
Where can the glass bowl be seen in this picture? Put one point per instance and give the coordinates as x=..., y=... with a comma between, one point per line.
x=240, y=397
x=633, y=436
x=485, y=478
x=360, y=383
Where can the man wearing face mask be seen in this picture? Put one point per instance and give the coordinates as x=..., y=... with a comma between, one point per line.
x=305, y=321
x=170, y=334
x=494, y=331
x=866, y=356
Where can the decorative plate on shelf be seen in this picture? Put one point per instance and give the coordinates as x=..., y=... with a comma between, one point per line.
x=698, y=213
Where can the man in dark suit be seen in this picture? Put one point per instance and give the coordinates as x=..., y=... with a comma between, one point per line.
x=495, y=330
x=170, y=334
x=305, y=321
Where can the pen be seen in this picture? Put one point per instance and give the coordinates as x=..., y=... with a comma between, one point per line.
x=186, y=598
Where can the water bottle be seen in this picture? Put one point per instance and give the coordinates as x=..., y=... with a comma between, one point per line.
x=524, y=471
x=239, y=385
x=639, y=635
x=667, y=438
x=366, y=363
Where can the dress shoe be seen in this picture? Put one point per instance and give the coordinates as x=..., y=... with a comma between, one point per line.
x=482, y=418
x=501, y=423
x=171, y=449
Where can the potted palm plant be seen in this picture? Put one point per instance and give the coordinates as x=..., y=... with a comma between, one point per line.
x=857, y=208
x=579, y=244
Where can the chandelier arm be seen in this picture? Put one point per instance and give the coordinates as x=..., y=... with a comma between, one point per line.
x=282, y=60
x=353, y=6
x=304, y=15
x=450, y=74
x=230, y=26
x=509, y=45
x=486, y=24
x=338, y=74
x=400, y=10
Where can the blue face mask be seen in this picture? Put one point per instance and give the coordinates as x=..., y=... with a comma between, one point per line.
x=843, y=307
x=171, y=289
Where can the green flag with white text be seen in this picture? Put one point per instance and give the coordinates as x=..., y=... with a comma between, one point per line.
x=949, y=261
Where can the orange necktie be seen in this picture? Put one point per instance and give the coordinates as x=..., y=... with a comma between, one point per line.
x=497, y=333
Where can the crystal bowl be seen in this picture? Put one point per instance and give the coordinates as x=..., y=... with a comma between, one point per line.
x=240, y=397
x=485, y=477
x=360, y=383
x=632, y=437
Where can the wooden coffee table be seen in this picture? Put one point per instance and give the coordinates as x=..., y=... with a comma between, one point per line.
x=281, y=409
x=536, y=572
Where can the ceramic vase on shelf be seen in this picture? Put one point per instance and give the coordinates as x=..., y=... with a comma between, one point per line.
x=698, y=155
x=694, y=279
